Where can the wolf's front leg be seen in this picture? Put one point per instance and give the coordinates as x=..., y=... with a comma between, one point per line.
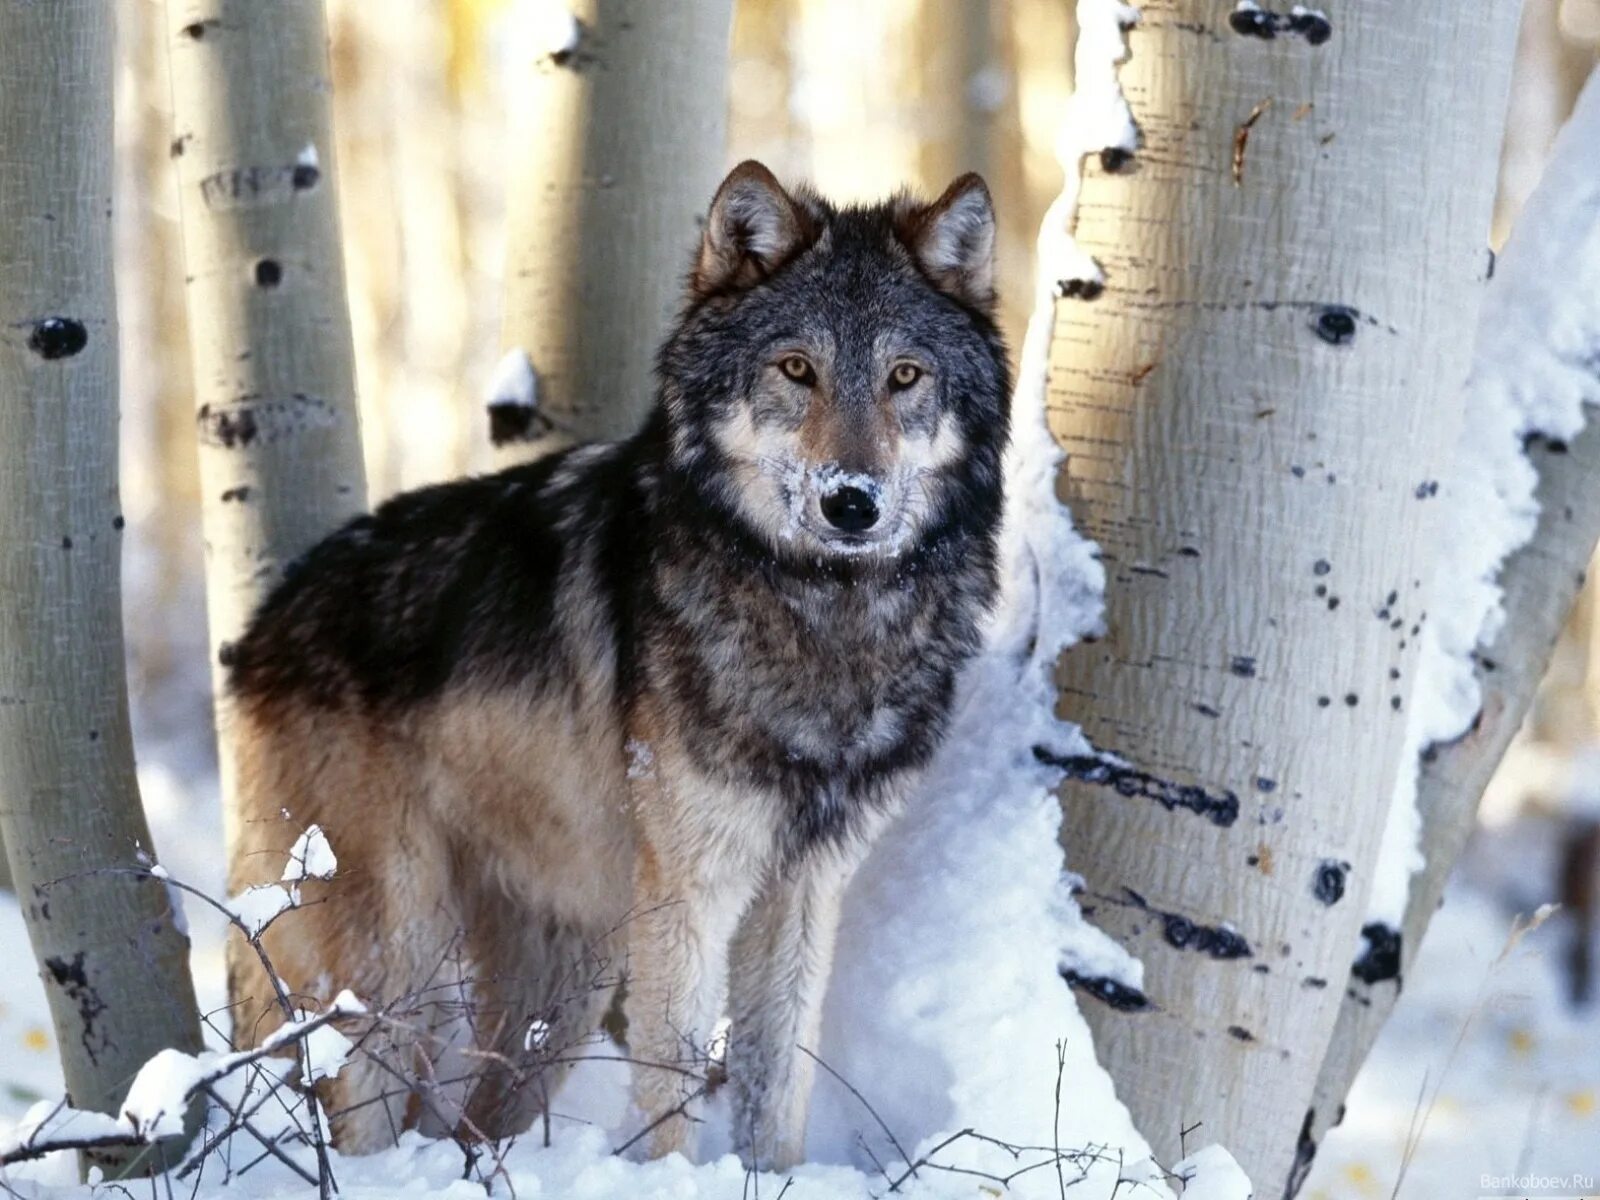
x=697, y=864
x=781, y=958
x=677, y=982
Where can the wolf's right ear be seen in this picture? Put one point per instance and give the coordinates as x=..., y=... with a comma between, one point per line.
x=754, y=227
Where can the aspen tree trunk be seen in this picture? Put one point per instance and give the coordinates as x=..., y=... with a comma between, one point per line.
x=1293, y=260
x=959, y=87
x=114, y=964
x=280, y=443
x=762, y=123
x=1539, y=343
x=968, y=110
x=618, y=151
x=160, y=473
x=1542, y=581
x=857, y=65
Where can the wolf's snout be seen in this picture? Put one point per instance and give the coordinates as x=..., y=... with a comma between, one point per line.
x=850, y=509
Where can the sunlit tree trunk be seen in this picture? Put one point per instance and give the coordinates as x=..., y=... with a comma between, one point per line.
x=113, y=961
x=1293, y=263
x=618, y=154
x=762, y=122
x=1543, y=265
x=161, y=476
x=1542, y=580
x=967, y=106
x=280, y=447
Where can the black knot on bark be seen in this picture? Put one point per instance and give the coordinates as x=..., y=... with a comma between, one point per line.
x=1327, y=885
x=1115, y=158
x=58, y=337
x=1336, y=325
x=1380, y=959
x=1079, y=289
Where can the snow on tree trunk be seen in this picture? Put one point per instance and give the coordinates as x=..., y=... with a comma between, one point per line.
x=618, y=147
x=1255, y=398
x=114, y=963
x=274, y=372
x=1523, y=519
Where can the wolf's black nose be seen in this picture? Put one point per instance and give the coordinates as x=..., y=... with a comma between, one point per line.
x=850, y=509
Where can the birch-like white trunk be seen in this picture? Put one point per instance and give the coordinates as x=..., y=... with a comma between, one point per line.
x=616, y=152
x=274, y=373
x=1293, y=263
x=1539, y=348
x=1542, y=583
x=114, y=964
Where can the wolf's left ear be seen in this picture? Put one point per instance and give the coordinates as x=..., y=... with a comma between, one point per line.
x=753, y=228
x=953, y=240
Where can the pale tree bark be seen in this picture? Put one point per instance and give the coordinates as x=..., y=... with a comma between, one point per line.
x=1542, y=580
x=1293, y=266
x=1549, y=267
x=113, y=961
x=274, y=377
x=617, y=151
x=1549, y=72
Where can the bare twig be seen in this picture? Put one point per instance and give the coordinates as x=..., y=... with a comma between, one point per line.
x=679, y=1109
x=872, y=1112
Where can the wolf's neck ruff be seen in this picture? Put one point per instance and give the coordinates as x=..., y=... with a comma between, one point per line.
x=819, y=678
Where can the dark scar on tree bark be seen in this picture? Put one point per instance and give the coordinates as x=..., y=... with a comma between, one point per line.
x=1336, y=324
x=1304, y=1151
x=1327, y=885
x=1259, y=23
x=252, y=418
x=1108, y=991
x=1241, y=139
x=511, y=422
x=1380, y=959
x=1183, y=934
x=1079, y=289
x=1220, y=808
x=227, y=427
x=58, y=337
x=74, y=980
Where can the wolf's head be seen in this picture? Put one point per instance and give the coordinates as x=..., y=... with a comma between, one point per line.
x=836, y=385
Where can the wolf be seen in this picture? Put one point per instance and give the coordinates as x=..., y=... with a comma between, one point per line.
x=643, y=704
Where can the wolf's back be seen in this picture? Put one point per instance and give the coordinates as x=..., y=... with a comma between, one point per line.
x=453, y=584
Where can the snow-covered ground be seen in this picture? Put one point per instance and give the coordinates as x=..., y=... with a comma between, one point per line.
x=1504, y=1072
x=1510, y=1076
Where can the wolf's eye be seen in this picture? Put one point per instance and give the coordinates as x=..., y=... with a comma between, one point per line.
x=904, y=375
x=798, y=369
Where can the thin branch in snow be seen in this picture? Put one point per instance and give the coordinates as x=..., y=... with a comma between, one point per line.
x=872, y=1112
x=159, y=1096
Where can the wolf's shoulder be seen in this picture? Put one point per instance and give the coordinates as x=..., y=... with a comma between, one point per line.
x=460, y=577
